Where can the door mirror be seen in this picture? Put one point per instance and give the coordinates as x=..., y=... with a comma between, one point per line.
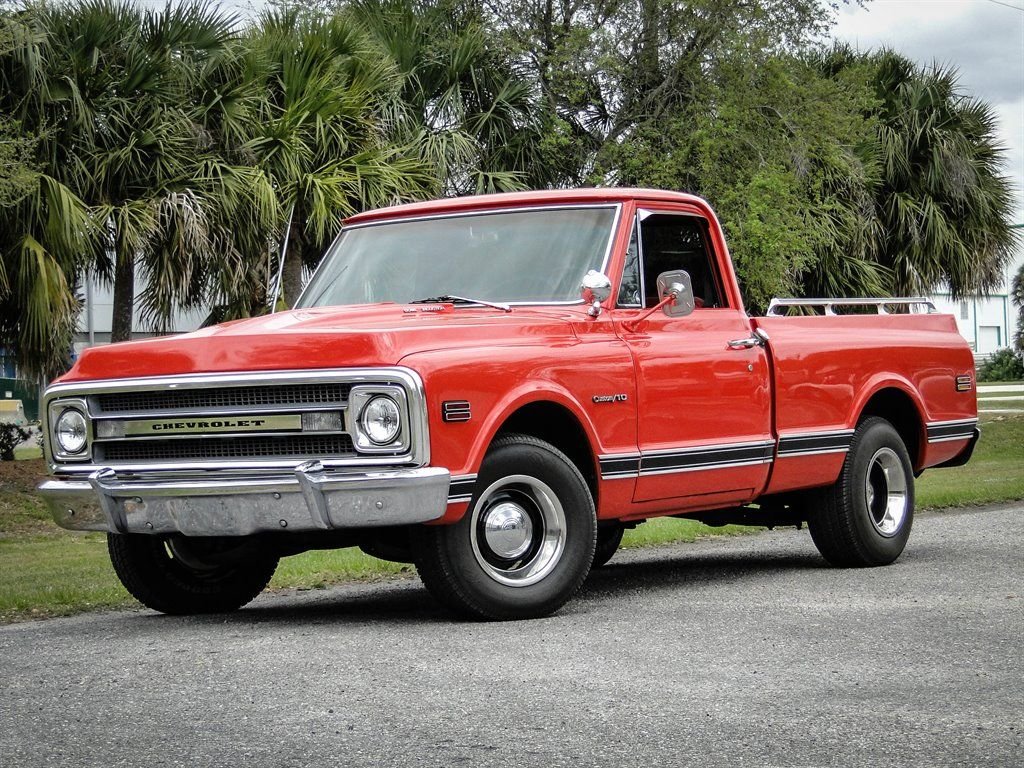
x=676, y=282
x=595, y=288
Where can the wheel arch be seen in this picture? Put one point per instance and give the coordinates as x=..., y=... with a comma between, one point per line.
x=898, y=404
x=555, y=423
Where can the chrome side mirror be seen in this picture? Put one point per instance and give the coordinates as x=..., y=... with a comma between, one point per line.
x=595, y=288
x=678, y=283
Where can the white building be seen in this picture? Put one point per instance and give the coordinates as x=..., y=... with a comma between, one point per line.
x=95, y=321
x=988, y=322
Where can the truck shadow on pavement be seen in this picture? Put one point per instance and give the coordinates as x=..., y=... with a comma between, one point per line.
x=406, y=602
x=688, y=571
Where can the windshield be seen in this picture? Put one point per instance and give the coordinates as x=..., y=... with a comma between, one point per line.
x=531, y=256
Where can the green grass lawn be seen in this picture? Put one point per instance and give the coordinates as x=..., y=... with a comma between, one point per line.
x=995, y=472
x=45, y=571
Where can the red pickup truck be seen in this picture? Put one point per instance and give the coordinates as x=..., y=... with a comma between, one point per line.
x=493, y=388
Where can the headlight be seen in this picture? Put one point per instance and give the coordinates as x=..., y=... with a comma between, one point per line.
x=381, y=420
x=70, y=431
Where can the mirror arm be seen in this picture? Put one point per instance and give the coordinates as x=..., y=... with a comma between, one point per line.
x=632, y=325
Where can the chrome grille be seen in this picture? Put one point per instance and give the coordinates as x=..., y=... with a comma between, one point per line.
x=204, y=399
x=293, y=446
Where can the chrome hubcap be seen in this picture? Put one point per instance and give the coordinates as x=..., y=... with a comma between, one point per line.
x=508, y=530
x=885, y=489
x=517, y=530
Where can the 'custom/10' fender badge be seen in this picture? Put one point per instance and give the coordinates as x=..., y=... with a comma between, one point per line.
x=619, y=398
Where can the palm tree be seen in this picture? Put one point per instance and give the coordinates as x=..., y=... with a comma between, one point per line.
x=462, y=99
x=116, y=95
x=1018, y=299
x=120, y=94
x=943, y=204
x=42, y=222
x=314, y=129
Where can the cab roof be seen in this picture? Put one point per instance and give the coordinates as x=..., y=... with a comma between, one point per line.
x=524, y=199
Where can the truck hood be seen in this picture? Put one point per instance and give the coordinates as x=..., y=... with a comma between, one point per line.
x=329, y=337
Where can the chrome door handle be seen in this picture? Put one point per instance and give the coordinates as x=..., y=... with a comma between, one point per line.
x=758, y=339
x=747, y=343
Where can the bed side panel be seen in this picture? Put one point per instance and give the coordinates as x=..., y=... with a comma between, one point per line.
x=826, y=369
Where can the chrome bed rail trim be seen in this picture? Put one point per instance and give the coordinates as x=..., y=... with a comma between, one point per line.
x=829, y=305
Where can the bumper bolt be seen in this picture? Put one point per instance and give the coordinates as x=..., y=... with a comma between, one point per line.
x=149, y=526
x=284, y=523
x=277, y=495
x=379, y=505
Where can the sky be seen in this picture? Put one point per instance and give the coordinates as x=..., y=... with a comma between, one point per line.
x=983, y=39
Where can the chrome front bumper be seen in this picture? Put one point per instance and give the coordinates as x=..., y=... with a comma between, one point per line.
x=309, y=499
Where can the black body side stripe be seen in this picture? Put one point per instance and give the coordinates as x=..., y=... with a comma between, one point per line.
x=706, y=458
x=815, y=442
x=620, y=466
x=461, y=488
x=943, y=431
x=685, y=460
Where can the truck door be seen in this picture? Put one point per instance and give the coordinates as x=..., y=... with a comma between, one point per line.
x=704, y=406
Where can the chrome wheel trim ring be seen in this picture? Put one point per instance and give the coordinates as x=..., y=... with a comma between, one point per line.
x=885, y=492
x=522, y=504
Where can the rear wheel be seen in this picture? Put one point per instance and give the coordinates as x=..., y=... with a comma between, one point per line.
x=181, y=575
x=864, y=519
x=526, y=543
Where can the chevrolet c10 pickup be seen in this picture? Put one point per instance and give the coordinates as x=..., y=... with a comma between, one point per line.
x=494, y=388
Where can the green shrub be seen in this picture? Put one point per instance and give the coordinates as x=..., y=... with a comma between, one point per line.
x=1004, y=365
x=11, y=436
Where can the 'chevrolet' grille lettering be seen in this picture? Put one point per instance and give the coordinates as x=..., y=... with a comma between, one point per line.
x=215, y=424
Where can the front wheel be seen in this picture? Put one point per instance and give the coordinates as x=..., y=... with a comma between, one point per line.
x=180, y=575
x=864, y=518
x=526, y=543
x=609, y=537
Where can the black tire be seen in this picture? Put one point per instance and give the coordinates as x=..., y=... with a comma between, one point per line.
x=609, y=537
x=538, y=548
x=154, y=570
x=851, y=523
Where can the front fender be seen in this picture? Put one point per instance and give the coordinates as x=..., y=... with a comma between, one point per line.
x=497, y=382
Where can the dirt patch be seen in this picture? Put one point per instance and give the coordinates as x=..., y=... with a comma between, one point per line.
x=23, y=476
x=22, y=510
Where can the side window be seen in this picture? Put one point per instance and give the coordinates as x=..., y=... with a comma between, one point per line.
x=674, y=241
x=629, y=289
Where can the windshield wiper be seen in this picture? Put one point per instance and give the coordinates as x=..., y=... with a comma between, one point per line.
x=447, y=299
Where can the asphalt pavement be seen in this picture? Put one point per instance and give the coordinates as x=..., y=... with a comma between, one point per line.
x=744, y=651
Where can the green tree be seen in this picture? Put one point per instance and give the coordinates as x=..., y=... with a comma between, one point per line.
x=784, y=154
x=17, y=175
x=1017, y=292
x=42, y=221
x=608, y=69
x=315, y=128
x=944, y=206
x=122, y=96
x=111, y=91
x=462, y=101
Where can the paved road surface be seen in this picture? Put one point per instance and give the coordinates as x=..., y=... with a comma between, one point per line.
x=736, y=652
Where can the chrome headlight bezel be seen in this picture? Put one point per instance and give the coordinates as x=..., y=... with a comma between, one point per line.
x=360, y=397
x=59, y=410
